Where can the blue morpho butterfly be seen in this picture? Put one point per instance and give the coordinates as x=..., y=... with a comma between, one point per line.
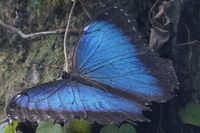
x=114, y=77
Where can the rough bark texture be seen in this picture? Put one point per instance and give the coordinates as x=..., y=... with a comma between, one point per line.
x=26, y=62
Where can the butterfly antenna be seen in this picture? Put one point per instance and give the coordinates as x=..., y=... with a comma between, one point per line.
x=66, y=66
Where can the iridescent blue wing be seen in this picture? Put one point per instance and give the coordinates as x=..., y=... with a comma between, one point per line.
x=110, y=52
x=63, y=101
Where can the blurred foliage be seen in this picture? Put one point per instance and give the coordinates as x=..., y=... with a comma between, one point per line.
x=191, y=114
x=48, y=127
x=76, y=126
x=37, y=7
x=80, y=126
x=125, y=128
x=110, y=129
x=47, y=14
x=11, y=127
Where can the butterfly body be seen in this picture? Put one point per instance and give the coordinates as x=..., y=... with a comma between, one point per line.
x=113, y=77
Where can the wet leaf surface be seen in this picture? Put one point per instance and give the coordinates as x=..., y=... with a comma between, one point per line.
x=191, y=114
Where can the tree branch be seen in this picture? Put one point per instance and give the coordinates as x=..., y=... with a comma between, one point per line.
x=66, y=66
x=32, y=35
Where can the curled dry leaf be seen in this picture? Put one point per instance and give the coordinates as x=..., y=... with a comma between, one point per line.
x=162, y=21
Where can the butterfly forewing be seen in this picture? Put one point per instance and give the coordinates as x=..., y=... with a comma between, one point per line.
x=110, y=52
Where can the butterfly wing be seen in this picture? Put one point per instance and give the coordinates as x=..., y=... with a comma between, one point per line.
x=63, y=101
x=110, y=52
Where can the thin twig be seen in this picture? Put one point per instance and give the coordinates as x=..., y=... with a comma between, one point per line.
x=195, y=42
x=32, y=35
x=45, y=33
x=188, y=31
x=67, y=67
x=84, y=9
x=190, y=47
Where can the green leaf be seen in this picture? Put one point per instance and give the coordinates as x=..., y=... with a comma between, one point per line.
x=79, y=126
x=127, y=128
x=49, y=127
x=65, y=129
x=110, y=129
x=11, y=127
x=191, y=114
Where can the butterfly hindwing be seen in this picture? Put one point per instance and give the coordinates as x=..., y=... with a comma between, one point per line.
x=63, y=101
